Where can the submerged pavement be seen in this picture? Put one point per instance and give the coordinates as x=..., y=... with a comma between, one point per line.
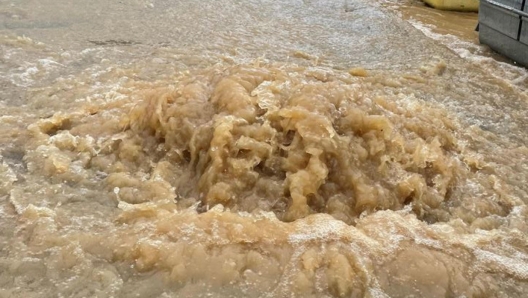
x=87, y=60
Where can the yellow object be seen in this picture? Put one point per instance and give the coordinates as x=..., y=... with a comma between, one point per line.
x=458, y=5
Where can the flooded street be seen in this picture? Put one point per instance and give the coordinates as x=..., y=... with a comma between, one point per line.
x=258, y=149
x=456, y=31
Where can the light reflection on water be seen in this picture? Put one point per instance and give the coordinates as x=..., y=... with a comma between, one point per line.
x=402, y=161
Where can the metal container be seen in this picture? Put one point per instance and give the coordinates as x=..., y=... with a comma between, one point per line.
x=524, y=29
x=503, y=26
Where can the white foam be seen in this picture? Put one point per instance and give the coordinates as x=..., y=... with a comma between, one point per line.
x=49, y=64
x=472, y=52
x=326, y=229
x=24, y=79
x=516, y=267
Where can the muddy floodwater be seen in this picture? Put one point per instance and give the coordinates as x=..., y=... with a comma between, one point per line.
x=257, y=149
x=457, y=31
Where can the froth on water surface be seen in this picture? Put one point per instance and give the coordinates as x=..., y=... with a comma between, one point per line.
x=261, y=178
x=129, y=169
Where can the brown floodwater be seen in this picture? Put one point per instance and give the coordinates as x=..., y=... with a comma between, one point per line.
x=257, y=149
x=457, y=31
